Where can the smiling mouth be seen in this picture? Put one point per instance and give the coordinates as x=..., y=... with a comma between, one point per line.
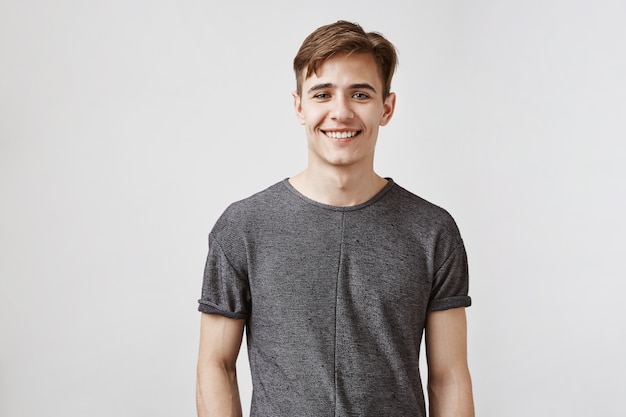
x=341, y=135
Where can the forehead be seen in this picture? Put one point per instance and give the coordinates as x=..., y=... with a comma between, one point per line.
x=347, y=68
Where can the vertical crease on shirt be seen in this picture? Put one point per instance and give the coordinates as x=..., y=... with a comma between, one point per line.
x=339, y=267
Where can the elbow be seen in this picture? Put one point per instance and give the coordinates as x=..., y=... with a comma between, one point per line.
x=450, y=380
x=213, y=369
x=458, y=375
x=450, y=394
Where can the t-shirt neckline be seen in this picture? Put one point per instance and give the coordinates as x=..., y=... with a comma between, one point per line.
x=374, y=199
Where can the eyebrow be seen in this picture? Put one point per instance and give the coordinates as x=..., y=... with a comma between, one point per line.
x=358, y=86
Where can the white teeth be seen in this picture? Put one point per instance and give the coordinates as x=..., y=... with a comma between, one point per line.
x=341, y=135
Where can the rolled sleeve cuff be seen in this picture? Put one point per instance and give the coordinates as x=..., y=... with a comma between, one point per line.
x=450, y=302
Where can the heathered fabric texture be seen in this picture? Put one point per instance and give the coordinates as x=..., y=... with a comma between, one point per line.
x=335, y=297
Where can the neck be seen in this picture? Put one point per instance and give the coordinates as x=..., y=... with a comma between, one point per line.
x=339, y=186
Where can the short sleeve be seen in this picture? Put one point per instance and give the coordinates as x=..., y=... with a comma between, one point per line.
x=225, y=289
x=451, y=282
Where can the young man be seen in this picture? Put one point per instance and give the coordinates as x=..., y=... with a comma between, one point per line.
x=336, y=272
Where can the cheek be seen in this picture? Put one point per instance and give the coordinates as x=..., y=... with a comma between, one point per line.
x=313, y=119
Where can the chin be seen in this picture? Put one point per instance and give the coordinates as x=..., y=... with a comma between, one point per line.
x=341, y=162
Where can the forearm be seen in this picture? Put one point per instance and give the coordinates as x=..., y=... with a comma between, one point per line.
x=451, y=396
x=217, y=392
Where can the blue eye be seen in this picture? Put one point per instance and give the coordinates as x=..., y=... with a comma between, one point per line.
x=360, y=96
x=321, y=95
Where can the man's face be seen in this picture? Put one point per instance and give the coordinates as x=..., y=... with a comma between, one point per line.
x=341, y=108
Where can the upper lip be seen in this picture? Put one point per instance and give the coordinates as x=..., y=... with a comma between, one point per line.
x=343, y=129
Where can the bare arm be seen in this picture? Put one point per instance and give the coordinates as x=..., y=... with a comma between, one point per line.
x=449, y=382
x=217, y=393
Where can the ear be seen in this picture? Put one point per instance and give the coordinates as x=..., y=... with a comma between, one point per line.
x=297, y=106
x=388, y=107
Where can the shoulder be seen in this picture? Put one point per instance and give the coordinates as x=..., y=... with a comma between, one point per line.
x=431, y=225
x=416, y=209
x=248, y=211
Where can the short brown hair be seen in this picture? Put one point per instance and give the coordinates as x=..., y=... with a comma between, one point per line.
x=344, y=37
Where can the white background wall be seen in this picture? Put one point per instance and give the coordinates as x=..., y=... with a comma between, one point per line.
x=126, y=127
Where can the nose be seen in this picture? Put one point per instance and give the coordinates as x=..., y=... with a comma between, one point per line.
x=341, y=108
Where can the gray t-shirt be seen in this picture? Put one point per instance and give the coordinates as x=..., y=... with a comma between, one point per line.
x=335, y=297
